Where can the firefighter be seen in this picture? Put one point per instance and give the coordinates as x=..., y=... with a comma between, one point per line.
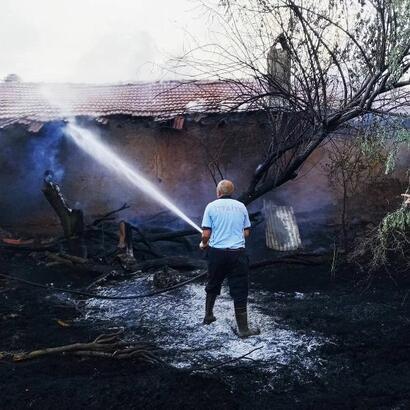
x=225, y=226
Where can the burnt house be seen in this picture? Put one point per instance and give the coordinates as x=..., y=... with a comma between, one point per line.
x=183, y=136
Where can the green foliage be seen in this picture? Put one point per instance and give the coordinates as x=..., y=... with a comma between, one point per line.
x=388, y=135
x=386, y=248
x=391, y=241
x=401, y=138
x=398, y=220
x=355, y=162
x=390, y=162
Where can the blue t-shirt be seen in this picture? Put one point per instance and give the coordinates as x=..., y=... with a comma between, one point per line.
x=227, y=218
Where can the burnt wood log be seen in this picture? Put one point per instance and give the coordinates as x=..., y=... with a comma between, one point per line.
x=125, y=238
x=170, y=236
x=32, y=248
x=109, y=215
x=290, y=261
x=110, y=346
x=256, y=218
x=71, y=220
x=102, y=278
x=145, y=240
x=182, y=262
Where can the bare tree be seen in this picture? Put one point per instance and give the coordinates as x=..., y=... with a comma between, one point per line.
x=352, y=165
x=329, y=65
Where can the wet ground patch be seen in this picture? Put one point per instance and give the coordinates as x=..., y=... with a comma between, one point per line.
x=325, y=344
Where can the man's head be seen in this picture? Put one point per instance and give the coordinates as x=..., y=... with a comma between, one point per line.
x=225, y=187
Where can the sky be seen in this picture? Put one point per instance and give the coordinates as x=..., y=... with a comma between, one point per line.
x=97, y=41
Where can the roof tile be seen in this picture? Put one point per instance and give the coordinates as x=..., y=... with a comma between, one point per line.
x=25, y=102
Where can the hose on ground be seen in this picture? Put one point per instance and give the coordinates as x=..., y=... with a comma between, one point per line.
x=95, y=295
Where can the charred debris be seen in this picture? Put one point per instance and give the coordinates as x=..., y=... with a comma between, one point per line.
x=106, y=250
x=110, y=247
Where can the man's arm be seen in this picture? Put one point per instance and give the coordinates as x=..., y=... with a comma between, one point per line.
x=206, y=228
x=206, y=234
x=246, y=223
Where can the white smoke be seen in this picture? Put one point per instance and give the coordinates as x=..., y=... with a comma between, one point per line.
x=95, y=41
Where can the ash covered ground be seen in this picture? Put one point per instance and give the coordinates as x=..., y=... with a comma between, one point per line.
x=174, y=322
x=325, y=343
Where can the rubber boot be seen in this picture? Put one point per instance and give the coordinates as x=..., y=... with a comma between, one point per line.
x=241, y=315
x=209, y=309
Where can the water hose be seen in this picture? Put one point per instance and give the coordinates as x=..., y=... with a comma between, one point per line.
x=96, y=296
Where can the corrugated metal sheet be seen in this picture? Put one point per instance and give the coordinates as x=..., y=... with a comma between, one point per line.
x=282, y=232
x=37, y=102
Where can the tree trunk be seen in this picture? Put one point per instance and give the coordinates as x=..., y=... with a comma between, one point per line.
x=71, y=219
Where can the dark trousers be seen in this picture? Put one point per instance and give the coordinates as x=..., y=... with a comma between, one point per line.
x=231, y=264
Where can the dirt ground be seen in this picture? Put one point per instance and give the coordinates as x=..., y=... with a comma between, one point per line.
x=364, y=365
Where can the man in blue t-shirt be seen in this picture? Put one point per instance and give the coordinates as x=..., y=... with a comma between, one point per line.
x=225, y=226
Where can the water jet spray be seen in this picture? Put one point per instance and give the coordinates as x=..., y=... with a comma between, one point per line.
x=89, y=143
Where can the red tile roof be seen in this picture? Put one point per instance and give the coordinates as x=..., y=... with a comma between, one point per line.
x=30, y=103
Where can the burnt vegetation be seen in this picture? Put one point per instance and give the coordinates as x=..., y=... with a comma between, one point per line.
x=329, y=66
x=337, y=79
